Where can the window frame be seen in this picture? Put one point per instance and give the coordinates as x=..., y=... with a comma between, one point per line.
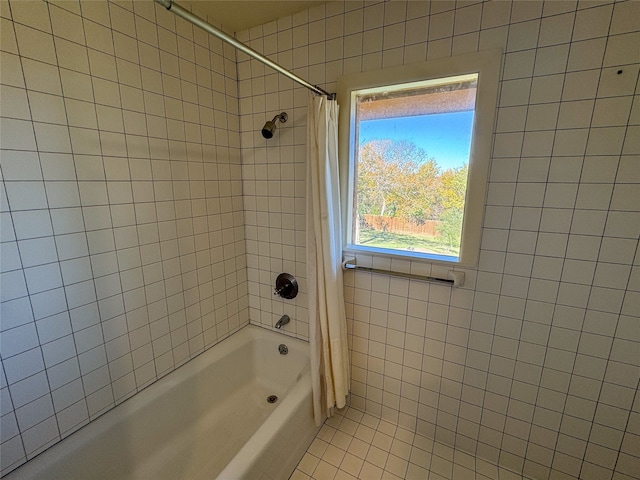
x=487, y=64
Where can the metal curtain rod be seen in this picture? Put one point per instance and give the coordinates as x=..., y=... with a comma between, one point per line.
x=456, y=280
x=207, y=27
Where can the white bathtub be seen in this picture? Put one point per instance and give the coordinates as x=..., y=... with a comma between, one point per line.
x=209, y=419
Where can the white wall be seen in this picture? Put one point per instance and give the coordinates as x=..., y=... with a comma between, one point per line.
x=535, y=362
x=121, y=209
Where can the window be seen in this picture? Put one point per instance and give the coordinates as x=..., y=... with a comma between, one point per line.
x=418, y=139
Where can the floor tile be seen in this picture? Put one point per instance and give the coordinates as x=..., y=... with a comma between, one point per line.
x=354, y=445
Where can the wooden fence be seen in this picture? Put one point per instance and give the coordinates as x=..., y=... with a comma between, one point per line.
x=399, y=225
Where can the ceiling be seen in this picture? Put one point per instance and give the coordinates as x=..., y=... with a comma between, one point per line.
x=239, y=15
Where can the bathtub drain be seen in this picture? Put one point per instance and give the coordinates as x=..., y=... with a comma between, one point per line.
x=272, y=399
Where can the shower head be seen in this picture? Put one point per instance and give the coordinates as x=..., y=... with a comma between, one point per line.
x=270, y=126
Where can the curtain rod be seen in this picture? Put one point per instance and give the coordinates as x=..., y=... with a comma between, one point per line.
x=207, y=27
x=456, y=279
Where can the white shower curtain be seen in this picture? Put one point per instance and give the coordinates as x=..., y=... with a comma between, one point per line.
x=327, y=318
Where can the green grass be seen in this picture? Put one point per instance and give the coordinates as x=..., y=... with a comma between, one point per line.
x=405, y=241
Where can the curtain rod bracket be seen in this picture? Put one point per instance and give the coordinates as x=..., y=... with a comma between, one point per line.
x=331, y=96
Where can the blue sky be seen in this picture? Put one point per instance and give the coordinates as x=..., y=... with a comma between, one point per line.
x=446, y=137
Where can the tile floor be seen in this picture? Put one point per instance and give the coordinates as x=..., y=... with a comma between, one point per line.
x=355, y=445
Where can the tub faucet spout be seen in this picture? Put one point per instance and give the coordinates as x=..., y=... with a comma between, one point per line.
x=283, y=321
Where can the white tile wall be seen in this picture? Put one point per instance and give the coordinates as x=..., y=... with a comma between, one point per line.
x=535, y=363
x=122, y=240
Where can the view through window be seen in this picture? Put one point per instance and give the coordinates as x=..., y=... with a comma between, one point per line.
x=411, y=167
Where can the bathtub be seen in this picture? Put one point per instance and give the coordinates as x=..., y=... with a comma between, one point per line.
x=209, y=419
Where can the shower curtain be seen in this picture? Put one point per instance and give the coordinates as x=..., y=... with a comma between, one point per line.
x=327, y=318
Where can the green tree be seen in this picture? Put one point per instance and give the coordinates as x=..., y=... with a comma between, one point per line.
x=453, y=188
x=420, y=193
x=396, y=178
x=450, y=228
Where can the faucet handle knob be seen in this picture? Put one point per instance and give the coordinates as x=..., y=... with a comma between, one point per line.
x=286, y=286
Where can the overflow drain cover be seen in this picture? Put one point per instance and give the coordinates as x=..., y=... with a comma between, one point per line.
x=272, y=398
